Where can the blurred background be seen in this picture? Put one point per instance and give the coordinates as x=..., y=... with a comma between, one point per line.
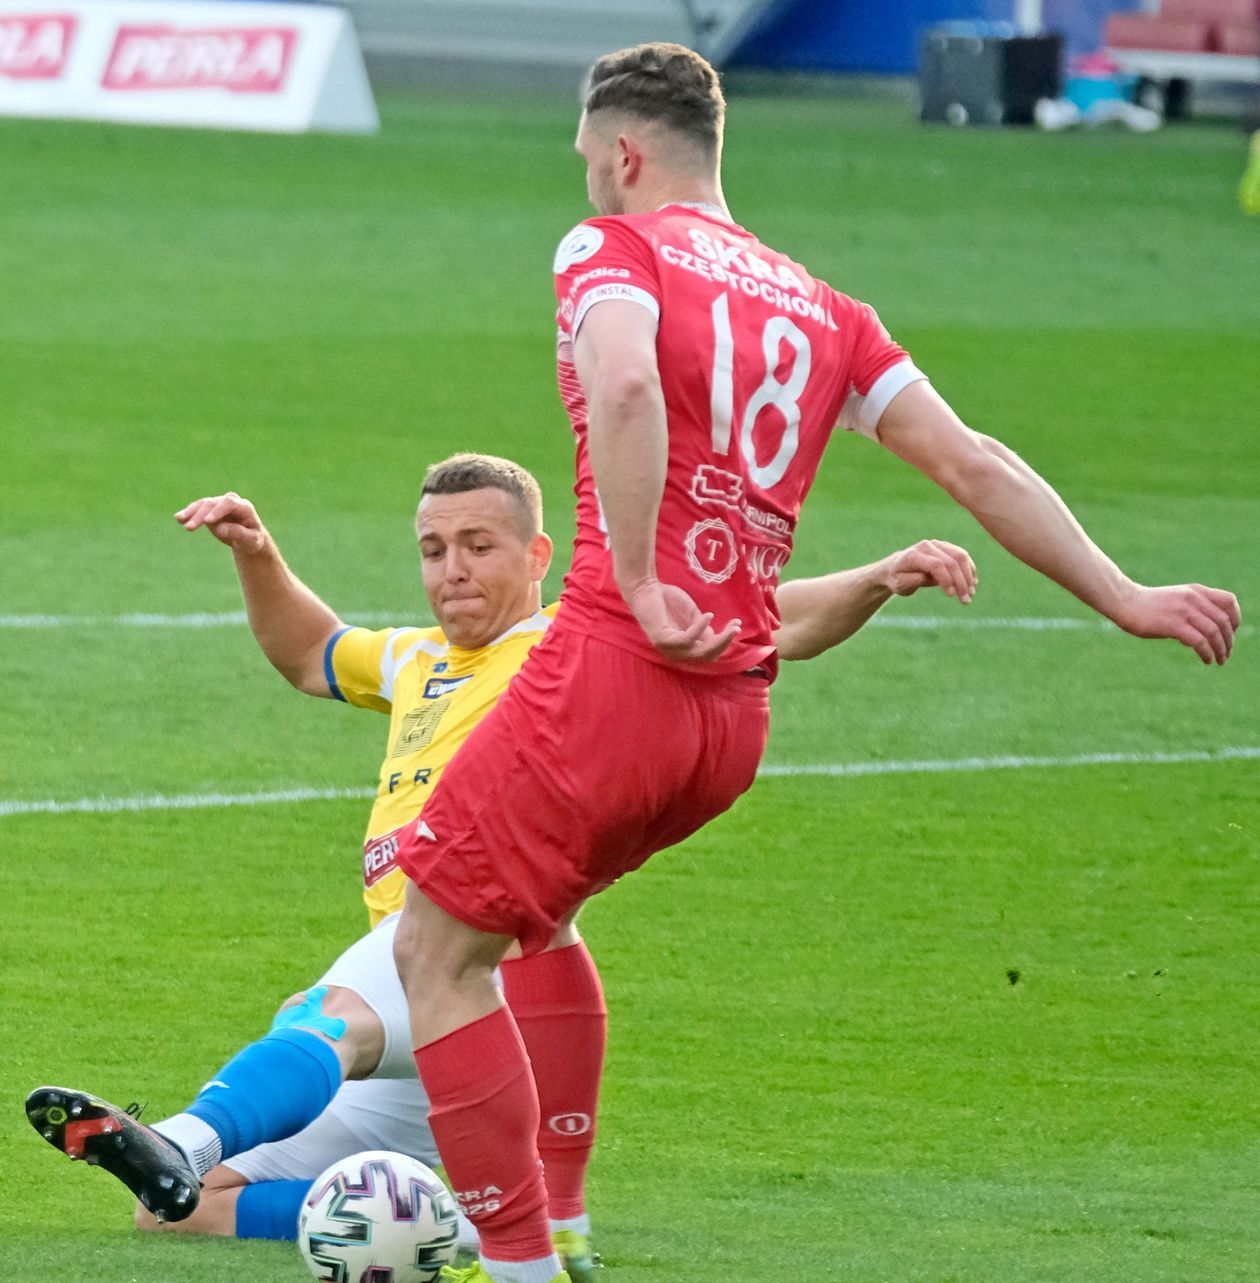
x=968, y=989
x=560, y=38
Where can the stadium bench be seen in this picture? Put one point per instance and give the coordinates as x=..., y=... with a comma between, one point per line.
x=1187, y=41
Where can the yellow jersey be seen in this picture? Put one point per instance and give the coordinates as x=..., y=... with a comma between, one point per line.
x=434, y=693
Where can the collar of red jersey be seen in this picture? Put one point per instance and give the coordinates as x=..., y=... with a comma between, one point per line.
x=703, y=206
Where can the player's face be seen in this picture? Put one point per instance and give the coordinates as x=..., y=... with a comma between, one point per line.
x=601, y=157
x=481, y=573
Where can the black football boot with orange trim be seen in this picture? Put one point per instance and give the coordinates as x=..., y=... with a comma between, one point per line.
x=88, y=1128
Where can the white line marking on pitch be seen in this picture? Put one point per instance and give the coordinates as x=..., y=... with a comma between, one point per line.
x=236, y=619
x=941, y=765
x=197, y=801
x=380, y=618
x=179, y=801
x=225, y=619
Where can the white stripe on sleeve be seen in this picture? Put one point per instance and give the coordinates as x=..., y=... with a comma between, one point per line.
x=392, y=664
x=611, y=293
x=863, y=413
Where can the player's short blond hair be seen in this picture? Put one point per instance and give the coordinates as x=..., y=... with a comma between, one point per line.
x=463, y=472
x=664, y=83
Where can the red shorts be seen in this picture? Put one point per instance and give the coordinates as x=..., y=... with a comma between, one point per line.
x=593, y=759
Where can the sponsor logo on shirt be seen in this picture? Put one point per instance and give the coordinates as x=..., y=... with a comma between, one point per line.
x=570, y=303
x=35, y=47
x=252, y=60
x=765, y=562
x=436, y=687
x=613, y=290
x=580, y=244
x=597, y=273
x=731, y=262
x=379, y=858
x=711, y=484
x=418, y=727
x=711, y=550
x=715, y=485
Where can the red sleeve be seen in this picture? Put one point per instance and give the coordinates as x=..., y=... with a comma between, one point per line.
x=879, y=369
x=874, y=351
x=600, y=259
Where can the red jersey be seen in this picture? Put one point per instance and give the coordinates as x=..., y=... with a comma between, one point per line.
x=758, y=363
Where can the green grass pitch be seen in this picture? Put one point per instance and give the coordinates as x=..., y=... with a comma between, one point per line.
x=970, y=1027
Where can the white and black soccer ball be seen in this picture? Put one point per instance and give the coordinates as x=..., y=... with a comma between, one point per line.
x=378, y=1217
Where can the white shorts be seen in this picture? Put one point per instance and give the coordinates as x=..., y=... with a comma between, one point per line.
x=367, y=968
x=389, y=1110
x=377, y=1113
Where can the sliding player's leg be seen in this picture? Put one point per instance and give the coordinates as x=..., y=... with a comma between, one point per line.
x=278, y=1085
x=259, y=1194
x=270, y=1090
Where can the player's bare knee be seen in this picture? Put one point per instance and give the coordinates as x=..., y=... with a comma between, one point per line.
x=363, y=1043
x=345, y=1004
x=343, y=1020
x=296, y=1000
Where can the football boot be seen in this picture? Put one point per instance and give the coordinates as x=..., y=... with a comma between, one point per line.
x=574, y=1251
x=475, y=1274
x=88, y=1128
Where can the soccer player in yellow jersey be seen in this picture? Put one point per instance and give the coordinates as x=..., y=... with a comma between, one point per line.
x=435, y=691
x=335, y=1075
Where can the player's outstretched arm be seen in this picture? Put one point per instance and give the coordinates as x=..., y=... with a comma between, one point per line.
x=1024, y=514
x=627, y=439
x=820, y=613
x=289, y=622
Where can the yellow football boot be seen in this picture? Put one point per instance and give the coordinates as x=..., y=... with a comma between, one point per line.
x=475, y=1274
x=574, y=1251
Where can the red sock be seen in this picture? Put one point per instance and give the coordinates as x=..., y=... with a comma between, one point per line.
x=559, y=1007
x=484, y=1114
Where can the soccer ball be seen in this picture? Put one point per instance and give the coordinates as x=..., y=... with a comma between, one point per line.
x=378, y=1217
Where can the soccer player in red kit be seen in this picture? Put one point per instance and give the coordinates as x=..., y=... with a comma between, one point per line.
x=704, y=373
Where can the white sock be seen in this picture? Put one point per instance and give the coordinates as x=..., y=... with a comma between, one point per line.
x=543, y=1271
x=578, y=1224
x=196, y=1139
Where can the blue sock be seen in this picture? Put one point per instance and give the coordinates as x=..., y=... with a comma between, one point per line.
x=269, y=1209
x=270, y=1090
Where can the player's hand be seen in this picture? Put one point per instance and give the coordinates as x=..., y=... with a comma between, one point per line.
x=229, y=518
x=1205, y=619
x=675, y=625
x=932, y=563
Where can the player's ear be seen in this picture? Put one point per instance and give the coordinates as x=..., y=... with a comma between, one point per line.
x=540, y=550
x=629, y=160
